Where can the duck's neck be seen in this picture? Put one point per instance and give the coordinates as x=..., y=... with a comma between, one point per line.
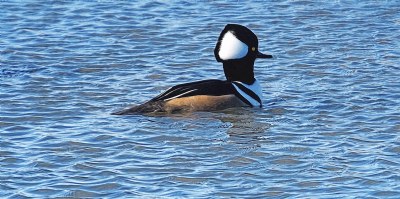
x=242, y=71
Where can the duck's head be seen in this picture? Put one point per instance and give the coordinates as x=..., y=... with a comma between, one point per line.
x=237, y=49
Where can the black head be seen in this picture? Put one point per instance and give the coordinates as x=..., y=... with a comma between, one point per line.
x=237, y=49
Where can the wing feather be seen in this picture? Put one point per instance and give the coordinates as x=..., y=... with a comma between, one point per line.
x=206, y=87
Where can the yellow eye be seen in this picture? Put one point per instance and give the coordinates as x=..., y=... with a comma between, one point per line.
x=253, y=49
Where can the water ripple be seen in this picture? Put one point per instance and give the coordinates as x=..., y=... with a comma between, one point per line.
x=329, y=127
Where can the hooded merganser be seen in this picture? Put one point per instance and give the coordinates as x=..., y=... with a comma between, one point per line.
x=237, y=49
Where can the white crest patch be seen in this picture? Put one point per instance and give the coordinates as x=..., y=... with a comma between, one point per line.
x=232, y=48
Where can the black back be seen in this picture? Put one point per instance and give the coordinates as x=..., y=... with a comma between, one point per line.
x=210, y=87
x=206, y=87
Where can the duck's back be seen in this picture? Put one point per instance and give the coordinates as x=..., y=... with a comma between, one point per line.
x=206, y=95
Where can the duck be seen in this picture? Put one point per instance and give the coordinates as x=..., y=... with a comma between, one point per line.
x=237, y=50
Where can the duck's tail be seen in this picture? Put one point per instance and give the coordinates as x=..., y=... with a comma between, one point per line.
x=148, y=107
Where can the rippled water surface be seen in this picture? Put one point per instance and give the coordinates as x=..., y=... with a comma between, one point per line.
x=329, y=128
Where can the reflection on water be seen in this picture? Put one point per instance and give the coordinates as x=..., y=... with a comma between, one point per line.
x=329, y=127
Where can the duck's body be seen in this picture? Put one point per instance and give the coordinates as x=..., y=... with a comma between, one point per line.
x=207, y=95
x=237, y=50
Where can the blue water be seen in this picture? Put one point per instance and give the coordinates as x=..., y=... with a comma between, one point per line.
x=330, y=127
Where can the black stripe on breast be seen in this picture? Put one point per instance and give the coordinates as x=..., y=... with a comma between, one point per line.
x=249, y=93
x=238, y=95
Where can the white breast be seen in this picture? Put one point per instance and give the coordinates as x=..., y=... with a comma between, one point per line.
x=255, y=87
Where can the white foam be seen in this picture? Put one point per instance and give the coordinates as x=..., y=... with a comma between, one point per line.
x=232, y=48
